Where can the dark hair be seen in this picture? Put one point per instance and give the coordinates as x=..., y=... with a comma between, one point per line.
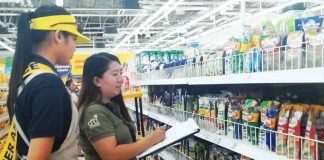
x=68, y=82
x=26, y=40
x=95, y=66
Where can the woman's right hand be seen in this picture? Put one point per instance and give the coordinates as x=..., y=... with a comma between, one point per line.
x=157, y=135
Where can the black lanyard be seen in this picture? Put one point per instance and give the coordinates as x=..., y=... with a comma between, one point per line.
x=130, y=128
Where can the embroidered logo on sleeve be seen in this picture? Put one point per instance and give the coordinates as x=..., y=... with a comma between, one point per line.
x=93, y=122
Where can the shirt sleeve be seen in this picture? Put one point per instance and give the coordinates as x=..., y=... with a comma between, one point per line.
x=97, y=124
x=48, y=108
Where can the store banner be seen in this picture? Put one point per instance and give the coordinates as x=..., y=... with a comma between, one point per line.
x=315, y=22
x=63, y=71
x=2, y=64
x=77, y=61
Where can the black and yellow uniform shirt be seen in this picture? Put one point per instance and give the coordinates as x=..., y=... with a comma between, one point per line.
x=99, y=122
x=43, y=108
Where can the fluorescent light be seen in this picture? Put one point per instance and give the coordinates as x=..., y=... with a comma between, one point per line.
x=148, y=21
x=255, y=15
x=315, y=8
x=7, y=47
x=194, y=22
x=59, y=3
x=164, y=15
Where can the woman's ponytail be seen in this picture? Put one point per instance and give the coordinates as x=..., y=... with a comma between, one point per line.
x=21, y=59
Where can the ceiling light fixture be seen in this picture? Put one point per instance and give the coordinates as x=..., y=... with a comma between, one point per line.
x=204, y=16
x=148, y=21
x=261, y=13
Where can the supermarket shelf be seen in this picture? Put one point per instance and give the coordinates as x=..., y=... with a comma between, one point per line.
x=314, y=75
x=235, y=145
x=4, y=132
x=4, y=117
x=311, y=75
x=161, y=81
x=4, y=87
x=166, y=155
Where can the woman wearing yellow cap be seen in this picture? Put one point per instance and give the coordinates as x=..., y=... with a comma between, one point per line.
x=38, y=102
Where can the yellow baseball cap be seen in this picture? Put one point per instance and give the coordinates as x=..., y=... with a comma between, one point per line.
x=59, y=22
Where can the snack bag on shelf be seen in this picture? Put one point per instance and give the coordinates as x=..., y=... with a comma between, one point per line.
x=234, y=130
x=295, y=118
x=227, y=56
x=192, y=105
x=314, y=39
x=264, y=105
x=271, y=124
x=237, y=58
x=270, y=42
x=312, y=132
x=219, y=62
x=253, y=120
x=222, y=115
x=212, y=114
x=281, y=144
x=295, y=51
x=255, y=60
x=192, y=152
x=250, y=117
x=210, y=68
x=245, y=47
x=230, y=125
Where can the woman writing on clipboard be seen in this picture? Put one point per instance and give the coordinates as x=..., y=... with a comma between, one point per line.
x=106, y=130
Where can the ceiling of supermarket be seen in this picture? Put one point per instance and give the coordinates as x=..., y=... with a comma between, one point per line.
x=142, y=24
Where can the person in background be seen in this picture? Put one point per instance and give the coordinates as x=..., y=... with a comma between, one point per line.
x=106, y=129
x=38, y=101
x=72, y=87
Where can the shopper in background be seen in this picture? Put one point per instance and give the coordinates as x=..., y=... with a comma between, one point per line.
x=38, y=101
x=71, y=86
x=106, y=129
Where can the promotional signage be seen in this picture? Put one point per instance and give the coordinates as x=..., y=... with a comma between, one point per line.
x=64, y=71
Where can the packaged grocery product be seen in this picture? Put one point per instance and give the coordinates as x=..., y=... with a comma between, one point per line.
x=222, y=115
x=202, y=102
x=313, y=131
x=192, y=143
x=250, y=117
x=281, y=144
x=255, y=60
x=294, y=128
x=234, y=115
x=270, y=124
x=237, y=58
x=262, y=134
x=219, y=63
